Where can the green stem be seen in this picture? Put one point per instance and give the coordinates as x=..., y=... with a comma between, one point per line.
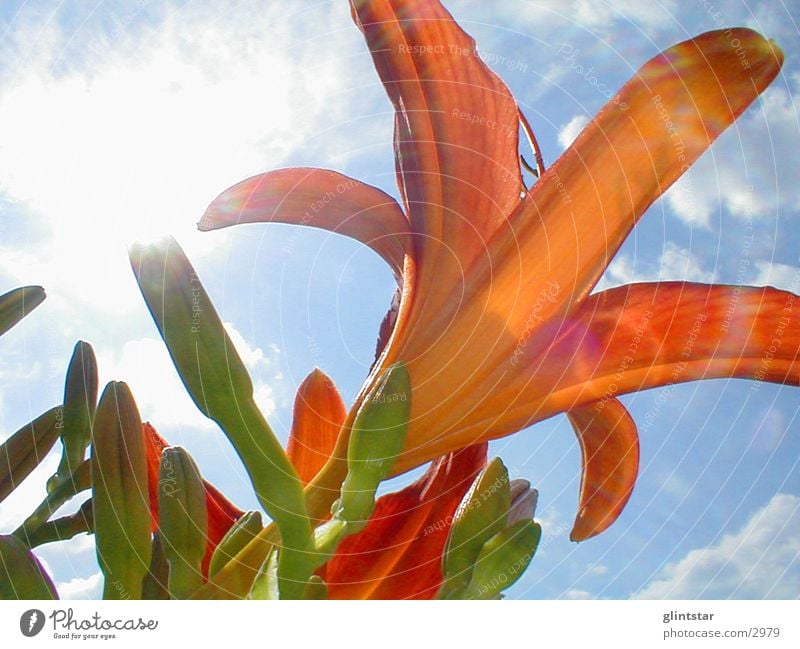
x=64, y=491
x=271, y=472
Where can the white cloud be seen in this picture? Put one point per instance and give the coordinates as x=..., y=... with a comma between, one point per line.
x=148, y=370
x=25, y=498
x=145, y=365
x=598, y=570
x=81, y=587
x=762, y=560
x=138, y=134
x=577, y=594
x=778, y=275
x=594, y=15
x=680, y=263
x=571, y=129
x=675, y=263
x=751, y=170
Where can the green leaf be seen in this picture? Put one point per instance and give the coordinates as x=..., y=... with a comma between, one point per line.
x=21, y=574
x=24, y=450
x=482, y=514
x=80, y=401
x=503, y=559
x=18, y=303
x=120, y=494
x=183, y=520
x=220, y=386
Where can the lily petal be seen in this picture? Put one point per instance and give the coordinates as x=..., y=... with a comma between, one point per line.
x=631, y=338
x=610, y=451
x=318, y=198
x=319, y=413
x=463, y=357
x=398, y=554
x=641, y=336
x=639, y=144
x=456, y=132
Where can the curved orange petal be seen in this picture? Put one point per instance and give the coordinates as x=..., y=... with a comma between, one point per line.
x=456, y=133
x=154, y=445
x=630, y=338
x=222, y=514
x=398, y=555
x=610, y=457
x=582, y=209
x=319, y=413
x=318, y=198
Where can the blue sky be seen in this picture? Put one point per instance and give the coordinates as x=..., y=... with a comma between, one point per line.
x=122, y=120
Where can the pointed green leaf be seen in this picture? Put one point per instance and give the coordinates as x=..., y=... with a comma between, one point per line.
x=18, y=303
x=120, y=494
x=24, y=450
x=21, y=574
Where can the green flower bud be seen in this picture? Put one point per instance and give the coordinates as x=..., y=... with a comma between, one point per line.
x=482, y=514
x=265, y=585
x=183, y=520
x=315, y=588
x=155, y=584
x=503, y=559
x=120, y=494
x=21, y=453
x=244, y=530
x=80, y=400
x=21, y=574
x=18, y=303
x=218, y=382
x=377, y=438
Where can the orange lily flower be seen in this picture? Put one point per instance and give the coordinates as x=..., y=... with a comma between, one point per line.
x=398, y=555
x=222, y=514
x=497, y=324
